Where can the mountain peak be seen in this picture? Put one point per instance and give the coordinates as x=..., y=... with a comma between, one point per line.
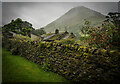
x=82, y=10
x=73, y=20
x=80, y=7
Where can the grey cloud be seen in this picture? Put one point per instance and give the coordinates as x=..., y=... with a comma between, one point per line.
x=60, y=0
x=42, y=13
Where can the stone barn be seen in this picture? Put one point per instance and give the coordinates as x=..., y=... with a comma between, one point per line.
x=36, y=38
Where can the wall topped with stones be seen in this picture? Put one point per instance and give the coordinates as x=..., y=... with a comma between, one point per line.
x=74, y=62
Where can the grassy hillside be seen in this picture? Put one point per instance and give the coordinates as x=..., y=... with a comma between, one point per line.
x=73, y=20
x=18, y=69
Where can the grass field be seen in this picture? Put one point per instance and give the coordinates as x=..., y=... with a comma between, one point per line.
x=18, y=69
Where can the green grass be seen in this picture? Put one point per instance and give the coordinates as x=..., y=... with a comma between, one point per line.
x=18, y=69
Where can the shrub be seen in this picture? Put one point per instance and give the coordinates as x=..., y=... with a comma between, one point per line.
x=102, y=37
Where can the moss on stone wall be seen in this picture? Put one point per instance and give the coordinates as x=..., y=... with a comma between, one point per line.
x=74, y=62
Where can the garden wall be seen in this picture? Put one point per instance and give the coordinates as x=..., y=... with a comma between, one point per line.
x=74, y=62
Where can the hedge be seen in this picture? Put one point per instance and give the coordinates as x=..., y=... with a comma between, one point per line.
x=74, y=62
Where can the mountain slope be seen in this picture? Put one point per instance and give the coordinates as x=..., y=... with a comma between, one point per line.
x=73, y=20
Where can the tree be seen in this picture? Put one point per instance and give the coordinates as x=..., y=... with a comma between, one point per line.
x=85, y=28
x=114, y=18
x=71, y=33
x=107, y=35
x=56, y=31
x=66, y=32
x=18, y=26
x=38, y=32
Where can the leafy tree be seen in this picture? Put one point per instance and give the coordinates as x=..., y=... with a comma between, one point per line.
x=71, y=33
x=38, y=32
x=114, y=18
x=108, y=34
x=56, y=31
x=85, y=28
x=18, y=26
x=66, y=32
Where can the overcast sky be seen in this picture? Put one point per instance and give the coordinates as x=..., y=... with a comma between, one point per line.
x=0, y=13
x=42, y=13
x=60, y=0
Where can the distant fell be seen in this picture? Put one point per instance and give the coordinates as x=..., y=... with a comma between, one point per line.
x=74, y=19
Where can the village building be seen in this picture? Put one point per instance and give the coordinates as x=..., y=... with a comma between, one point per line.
x=36, y=38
